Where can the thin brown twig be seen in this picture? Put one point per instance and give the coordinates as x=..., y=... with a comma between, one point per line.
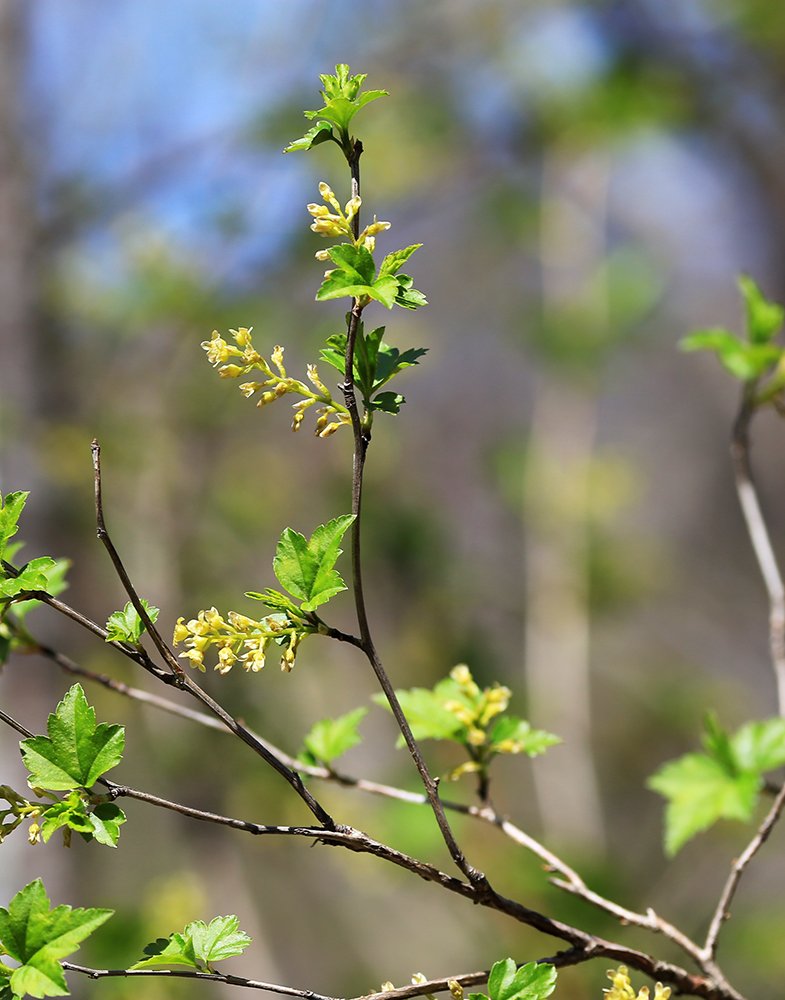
x=214, y=977
x=737, y=870
x=759, y=537
x=574, y=884
x=584, y=946
x=182, y=680
x=103, y=536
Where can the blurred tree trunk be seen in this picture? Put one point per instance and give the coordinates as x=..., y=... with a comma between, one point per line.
x=18, y=237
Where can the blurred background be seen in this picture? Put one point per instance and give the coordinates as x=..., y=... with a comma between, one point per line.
x=554, y=506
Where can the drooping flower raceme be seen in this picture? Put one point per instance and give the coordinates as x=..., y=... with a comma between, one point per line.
x=239, y=639
x=332, y=414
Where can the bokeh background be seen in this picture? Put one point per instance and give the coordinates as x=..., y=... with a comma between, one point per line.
x=554, y=505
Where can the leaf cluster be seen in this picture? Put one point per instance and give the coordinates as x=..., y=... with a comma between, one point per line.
x=126, y=625
x=198, y=946
x=375, y=363
x=750, y=359
x=34, y=575
x=724, y=782
x=342, y=100
x=72, y=758
x=354, y=275
x=37, y=937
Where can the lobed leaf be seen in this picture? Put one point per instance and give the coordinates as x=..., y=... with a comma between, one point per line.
x=700, y=791
x=305, y=568
x=198, y=946
x=37, y=937
x=10, y=509
x=126, y=625
x=533, y=981
x=77, y=751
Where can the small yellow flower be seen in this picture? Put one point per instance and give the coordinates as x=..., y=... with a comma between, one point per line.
x=249, y=388
x=277, y=357
x=230, y=371
x=226, y=658
x=242, y=336
x=196, y=658
x=218, y=350
x=180, y=632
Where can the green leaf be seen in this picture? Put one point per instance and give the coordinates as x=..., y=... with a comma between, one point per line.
x=126, y=625
x=277, y=601
x=199, y=945
x=700, y=791
x=330, y=738
x=321, y=132
x=10, y=509
x=760, y=746
x=389, y=362
x=32, y=576
x=76, y=752
x=55, y=584
x=407, y=296
x=426, y=714
x=533, y=981
x=342, y=99
x=744, y=361
x=393, y=262
x=37, y=937
x=512, y=735
x=305, y=568
x=764, y=318
x=106, y=820
x=388, y=402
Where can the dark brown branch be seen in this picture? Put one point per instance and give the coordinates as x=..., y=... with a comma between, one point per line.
x=759, y=537
x=584, y=946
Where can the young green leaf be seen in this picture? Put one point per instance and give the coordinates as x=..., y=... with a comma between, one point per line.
x=126, y=625
x=513, y=735
x=427, y=716
x=321, y=132
x=764, y=318
x=305, y=568
x=199, y=945
x=32, y=576
x=700, y=791
x=388, y=402
x=393, y=262
x=55, y=584
x=330, y=738
x=37, y=937
x=743, y=360
x=77, y=751
x=534, y=981
x=760, y=746
x=10, y=509
x=408, y=296
x=723, y=783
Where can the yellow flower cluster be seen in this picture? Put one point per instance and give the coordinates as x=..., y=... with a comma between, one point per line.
x=339, y=221
x=239, y=639
x=622, y=988
x=277, y=383
x=484, y=705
